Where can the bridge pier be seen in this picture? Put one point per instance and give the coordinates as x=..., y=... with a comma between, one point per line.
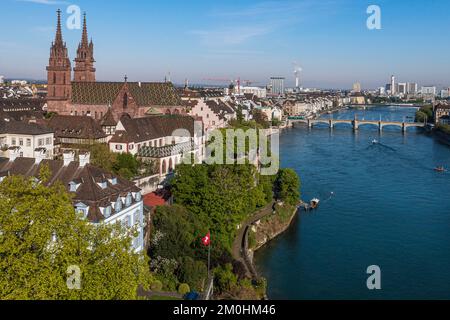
x=310, y=123
x=404, y=127
x=380, y=126
x=355, y=125
x=331, y=124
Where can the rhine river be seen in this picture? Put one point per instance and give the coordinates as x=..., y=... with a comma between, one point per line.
x=381, y=204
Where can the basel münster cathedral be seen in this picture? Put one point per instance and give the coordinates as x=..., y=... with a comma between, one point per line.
x=83, y=95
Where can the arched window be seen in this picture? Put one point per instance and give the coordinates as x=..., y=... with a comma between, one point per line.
x=168, y=112
x=163, y=167
x=170, y=165
x=54, y=77
x=125, y=101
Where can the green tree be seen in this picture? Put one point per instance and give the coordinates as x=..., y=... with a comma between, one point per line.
x=193, y=272
x=287, y=186
x=126, y=165
x=173, y=234
x=41, y=237
x=102, y=157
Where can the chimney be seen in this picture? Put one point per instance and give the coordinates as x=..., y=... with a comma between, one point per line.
x=85, y=159
x=68, y=156
x=39, y=155
x=14, y=153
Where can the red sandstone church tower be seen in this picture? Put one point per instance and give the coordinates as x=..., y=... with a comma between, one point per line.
x=84, y=70
x=59, y=69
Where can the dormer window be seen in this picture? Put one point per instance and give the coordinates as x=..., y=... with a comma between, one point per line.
x=118, y=206
x=138, y=197
x=113, y=181
x=102, y=184
x=73, y=186
x=82, y=209
x=128, y=200
x=107, y=212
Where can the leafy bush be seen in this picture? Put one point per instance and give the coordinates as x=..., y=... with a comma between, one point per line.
x=156, y=286
x=184, y=289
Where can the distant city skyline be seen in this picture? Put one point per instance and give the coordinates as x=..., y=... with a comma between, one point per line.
x=255, y=41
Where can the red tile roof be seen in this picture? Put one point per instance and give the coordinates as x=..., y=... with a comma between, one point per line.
x=154, y=200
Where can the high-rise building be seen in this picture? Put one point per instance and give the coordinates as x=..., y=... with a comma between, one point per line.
x=277, y=85
x=381, y=91
x=357, y=87
x=393, y=85
x=412, y=88
x=2, y=79
x=445, y=93
x=402, y=88
x=429, y=90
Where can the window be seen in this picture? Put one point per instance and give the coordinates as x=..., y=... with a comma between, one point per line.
x=136, y=217
x=118, y=206
x=125, y=101
x=131, y=147
x=40, y=142
x=138, y=196
x=118, y=147
x=107, y=212
x=48, y=141
x=28, y=142
x=128, y=200
x=13, y=141
x=21, y=142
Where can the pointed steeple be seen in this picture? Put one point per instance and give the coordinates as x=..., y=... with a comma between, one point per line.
x=58, y=37
x=84, y=38
x=59, y=68
x=84, y=63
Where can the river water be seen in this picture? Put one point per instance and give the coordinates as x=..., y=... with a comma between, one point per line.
x=381, y=205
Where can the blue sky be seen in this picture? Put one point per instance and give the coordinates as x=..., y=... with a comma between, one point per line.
x=248, y=39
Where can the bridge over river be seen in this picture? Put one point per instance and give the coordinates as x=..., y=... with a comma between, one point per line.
x=355, y=123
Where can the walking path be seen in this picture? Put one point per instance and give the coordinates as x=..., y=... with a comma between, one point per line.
x=239, y=244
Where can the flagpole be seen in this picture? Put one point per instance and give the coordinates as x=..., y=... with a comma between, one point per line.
x=209, y=259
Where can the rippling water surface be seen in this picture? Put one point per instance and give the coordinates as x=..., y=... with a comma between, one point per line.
x=381, y=205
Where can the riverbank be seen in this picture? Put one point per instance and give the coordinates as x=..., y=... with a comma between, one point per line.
x=269, y=228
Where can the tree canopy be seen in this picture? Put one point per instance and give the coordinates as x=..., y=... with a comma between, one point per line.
x=43, y=240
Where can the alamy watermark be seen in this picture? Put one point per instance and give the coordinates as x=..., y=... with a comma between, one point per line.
x=374, y=20
x=74, y=20
x=374, y=280
x=73, y=277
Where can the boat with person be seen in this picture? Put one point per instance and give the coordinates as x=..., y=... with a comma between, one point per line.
x=440, y=169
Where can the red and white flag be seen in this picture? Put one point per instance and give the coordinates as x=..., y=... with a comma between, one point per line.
x=206, y=241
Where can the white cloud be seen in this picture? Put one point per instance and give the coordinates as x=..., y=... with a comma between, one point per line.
x=46, y=2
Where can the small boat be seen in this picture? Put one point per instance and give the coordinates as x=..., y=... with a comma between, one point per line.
x=314, y=203
x=375, y=141
x=439, y=169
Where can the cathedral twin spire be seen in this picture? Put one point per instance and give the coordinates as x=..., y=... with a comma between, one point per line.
x=84, y=63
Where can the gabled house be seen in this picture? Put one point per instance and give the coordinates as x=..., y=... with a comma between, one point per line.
x=164, y=139
x=101, y=197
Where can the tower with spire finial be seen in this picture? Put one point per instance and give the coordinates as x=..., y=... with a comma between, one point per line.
x=59, y=68
x=84, y=70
